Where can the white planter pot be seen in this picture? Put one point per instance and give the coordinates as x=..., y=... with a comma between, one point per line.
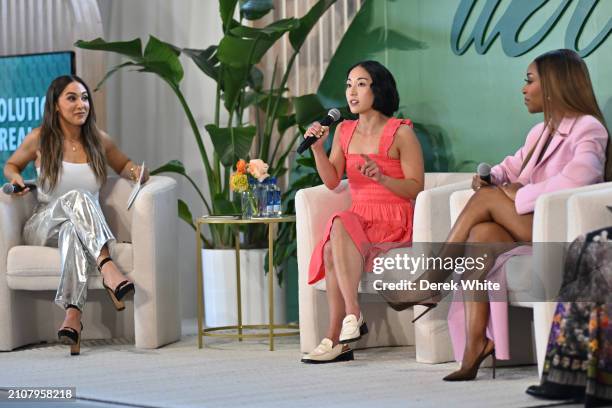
x=220, y=288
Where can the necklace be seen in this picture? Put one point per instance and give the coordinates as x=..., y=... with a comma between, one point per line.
x=73, y=145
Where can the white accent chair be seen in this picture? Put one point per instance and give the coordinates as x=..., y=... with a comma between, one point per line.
x=313, y=207
x=558, y=218
x=146, y=250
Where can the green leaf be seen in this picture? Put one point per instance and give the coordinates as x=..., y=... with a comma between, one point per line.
x=184, y=213
x=308, y=108
x=252, y=98
x=306, y=162
x=236, y=51
x=223, y=206
x=206, y=60
x=226, y=8
x=279, y=171
x=173, y=166
x=273, y=30
x=231, y=144
x=306, y=181
x=255, y=9
x=131, y=49
x=283, y=104
x=162, y=59
x=285, y=122
x=113, y=70
x=233, y=80
x=298, y=36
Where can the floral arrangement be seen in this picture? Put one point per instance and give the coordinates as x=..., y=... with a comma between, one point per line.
x=256, y=168
x=242, y=180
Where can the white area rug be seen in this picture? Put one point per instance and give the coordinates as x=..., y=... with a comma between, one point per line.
x=228, y=374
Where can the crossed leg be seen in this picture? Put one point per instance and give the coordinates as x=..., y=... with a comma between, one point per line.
x=343, y=269
x=489, y=217
x=476, y=304
x=112, y=277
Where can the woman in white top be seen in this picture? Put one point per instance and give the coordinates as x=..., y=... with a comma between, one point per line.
x=71, y=155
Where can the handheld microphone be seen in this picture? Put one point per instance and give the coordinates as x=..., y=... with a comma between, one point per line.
x=332, y=116
x=484, y=172
x=9, y=188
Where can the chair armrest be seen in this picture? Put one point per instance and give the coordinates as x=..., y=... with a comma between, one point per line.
x=14, y=212
x=432, y=219
x=550, y=221
x=550, y=234
x=587, y=211
x=153, y=226
x=155, y=245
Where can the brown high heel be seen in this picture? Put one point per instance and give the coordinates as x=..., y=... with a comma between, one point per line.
x=428, y=298
x=116, y=295
x=469, y=373
x=71, y=337
x=429, y=302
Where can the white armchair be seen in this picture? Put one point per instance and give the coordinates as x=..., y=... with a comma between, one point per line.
x=559, y=217
x=313, y=207
x=146, y=251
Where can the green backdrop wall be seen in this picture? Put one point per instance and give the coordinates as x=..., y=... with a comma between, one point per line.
x=469, y=106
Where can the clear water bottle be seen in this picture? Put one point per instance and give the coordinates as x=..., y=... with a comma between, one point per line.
x=277, y=201
x=270, y=196
x=261, y=198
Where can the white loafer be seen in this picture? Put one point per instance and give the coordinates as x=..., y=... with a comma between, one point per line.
x=352, y=329
x=325, y=352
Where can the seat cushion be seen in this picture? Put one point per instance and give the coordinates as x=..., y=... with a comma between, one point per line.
x=38, y=267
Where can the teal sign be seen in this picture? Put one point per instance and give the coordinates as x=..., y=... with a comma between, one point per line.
x=513, y=20
x=24, y=80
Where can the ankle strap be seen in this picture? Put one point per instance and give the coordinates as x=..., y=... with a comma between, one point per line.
x=104, y=261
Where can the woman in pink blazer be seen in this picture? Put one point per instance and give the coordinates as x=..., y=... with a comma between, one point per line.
x=565, y=151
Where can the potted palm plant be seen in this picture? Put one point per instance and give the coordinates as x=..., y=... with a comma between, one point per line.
x=232, y=64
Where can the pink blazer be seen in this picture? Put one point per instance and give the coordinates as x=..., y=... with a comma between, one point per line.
x=575, y=157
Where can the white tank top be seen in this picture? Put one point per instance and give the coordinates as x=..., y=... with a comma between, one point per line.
x=72, y=176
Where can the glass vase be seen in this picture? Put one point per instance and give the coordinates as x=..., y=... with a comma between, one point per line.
x=248, y=204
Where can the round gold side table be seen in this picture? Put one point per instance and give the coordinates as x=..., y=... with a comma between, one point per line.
x=213, y=331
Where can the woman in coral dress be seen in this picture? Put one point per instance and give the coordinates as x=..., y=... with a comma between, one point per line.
x=384, y=165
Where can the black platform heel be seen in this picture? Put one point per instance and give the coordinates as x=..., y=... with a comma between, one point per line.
x=120, y=291
x=69, y=336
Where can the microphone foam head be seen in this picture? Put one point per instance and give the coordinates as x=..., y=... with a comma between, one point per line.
x=8, y=188
x=335, y=114
x=484, y=169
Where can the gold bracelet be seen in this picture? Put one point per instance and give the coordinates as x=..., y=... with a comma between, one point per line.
x=132, y=173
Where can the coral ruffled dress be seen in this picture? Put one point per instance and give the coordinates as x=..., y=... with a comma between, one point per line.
x=378, y=220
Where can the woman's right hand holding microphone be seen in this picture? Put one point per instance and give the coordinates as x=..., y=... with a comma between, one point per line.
x=318, y=131
x=18, y=180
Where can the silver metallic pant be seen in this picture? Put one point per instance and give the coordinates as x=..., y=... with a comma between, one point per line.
x=74, y=223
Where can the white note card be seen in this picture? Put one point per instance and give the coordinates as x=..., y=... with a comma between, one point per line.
x=136, y=188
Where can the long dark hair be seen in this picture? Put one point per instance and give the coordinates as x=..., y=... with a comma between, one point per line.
x=566, y=87
x=52, y=140
x=386, y=97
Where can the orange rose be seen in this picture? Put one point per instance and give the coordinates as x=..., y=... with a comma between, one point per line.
x=241, y=166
